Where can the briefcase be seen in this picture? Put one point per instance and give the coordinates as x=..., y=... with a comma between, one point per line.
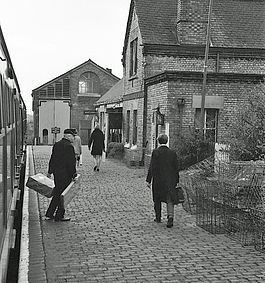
x=41, y=184
x=70, y=192
x=177, y=195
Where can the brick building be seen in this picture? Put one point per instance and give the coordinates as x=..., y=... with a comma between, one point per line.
x=67, y=101
x=109, y=108
x=163, y=59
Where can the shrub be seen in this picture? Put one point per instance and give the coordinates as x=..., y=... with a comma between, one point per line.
x=245, y=133
x=115, y=150
x=191, y=149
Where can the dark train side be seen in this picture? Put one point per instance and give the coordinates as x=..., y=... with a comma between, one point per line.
x=12, y=164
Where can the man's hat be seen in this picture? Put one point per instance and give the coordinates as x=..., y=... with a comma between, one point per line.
x=69, y=131
x=74, y=131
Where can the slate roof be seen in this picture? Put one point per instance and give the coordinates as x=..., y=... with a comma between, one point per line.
x=235, y=23
x=114, y=94
x=89, y=61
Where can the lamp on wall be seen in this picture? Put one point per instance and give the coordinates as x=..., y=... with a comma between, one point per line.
x=181, y=102
x=160, y=118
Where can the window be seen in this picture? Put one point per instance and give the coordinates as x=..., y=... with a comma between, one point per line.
x=210, y=123
x=66, y=87
x=133, y=57
x=58, y=89
x=134, y=126
x=128, y=126
x=88, y=83
x=50, y=91
x=42, y=92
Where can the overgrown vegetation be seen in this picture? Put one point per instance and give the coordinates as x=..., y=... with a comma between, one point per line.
x=246, y=129
x=192, y=148
x=115, y=150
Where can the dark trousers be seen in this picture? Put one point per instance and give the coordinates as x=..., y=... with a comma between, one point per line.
x=157, y=207
x=56, y=206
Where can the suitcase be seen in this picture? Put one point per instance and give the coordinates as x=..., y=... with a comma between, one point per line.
x=41, y=184
x=70, y=192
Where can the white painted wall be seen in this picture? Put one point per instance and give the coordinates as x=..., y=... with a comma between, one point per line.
x=53, y=113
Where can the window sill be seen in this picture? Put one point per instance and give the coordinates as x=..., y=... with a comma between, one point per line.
x=88, y=95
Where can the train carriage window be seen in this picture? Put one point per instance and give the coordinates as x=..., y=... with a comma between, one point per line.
x=6, y=105
x=13, y=95
x=17, y=125
x=9, y=106
x=9, y=169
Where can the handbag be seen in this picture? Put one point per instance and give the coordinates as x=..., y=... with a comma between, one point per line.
x=177, y=195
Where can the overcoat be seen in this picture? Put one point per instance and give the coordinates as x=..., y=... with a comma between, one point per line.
x=163, y=172
x=62, y=164
x=97, y=141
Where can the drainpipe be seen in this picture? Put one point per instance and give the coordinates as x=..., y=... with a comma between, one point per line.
x=144, y=124
x=206, y=65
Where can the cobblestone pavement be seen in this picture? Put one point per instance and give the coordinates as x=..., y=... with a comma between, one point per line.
x=112, y=236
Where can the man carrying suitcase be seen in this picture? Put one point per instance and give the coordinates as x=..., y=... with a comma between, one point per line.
x=62, y=165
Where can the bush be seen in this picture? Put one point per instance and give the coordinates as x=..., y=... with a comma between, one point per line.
x=191, y=149
x=115, y=150
x=245, y=133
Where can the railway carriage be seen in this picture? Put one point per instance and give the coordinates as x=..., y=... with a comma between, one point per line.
x=12, y=158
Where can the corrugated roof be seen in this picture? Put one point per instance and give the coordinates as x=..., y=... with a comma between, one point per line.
x=235, y=23
x=114, y=94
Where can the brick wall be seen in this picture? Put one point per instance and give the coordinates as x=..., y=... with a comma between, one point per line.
x=135, y=83
x=81, y=103
x=78, y=103
x=136, y=104
x=192, y=16
x=158, y=64
x=165, y=94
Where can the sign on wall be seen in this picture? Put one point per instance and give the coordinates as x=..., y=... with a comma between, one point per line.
x=55, y=130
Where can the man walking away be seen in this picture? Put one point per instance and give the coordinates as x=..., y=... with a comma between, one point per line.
x=98, y=146
x=164, y=174
x=62, y=165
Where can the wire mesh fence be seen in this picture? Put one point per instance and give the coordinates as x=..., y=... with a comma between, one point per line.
x=228, y=197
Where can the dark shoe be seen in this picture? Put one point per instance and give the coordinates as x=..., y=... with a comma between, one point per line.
x=95, y=168
x=157, y=220
x=170, y=222
x=62, y=219
x=49, y=218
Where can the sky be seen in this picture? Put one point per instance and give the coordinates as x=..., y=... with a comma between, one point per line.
x=47, y=38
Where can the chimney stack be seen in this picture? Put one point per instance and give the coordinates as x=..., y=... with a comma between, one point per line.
x=191, y=23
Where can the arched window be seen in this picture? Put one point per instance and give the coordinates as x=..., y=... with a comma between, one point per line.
x=45, y=136
x=88, y=83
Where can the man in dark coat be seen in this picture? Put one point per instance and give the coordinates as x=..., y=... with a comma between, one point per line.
x=62, y=165
x=98, y=146
x=164, y=174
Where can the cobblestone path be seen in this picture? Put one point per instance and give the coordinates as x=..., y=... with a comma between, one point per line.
x=112, y=236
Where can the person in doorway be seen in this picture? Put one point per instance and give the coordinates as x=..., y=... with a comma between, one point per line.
x=78, y=148
x=96, y=140
x=62, y=165
x=163, y=172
